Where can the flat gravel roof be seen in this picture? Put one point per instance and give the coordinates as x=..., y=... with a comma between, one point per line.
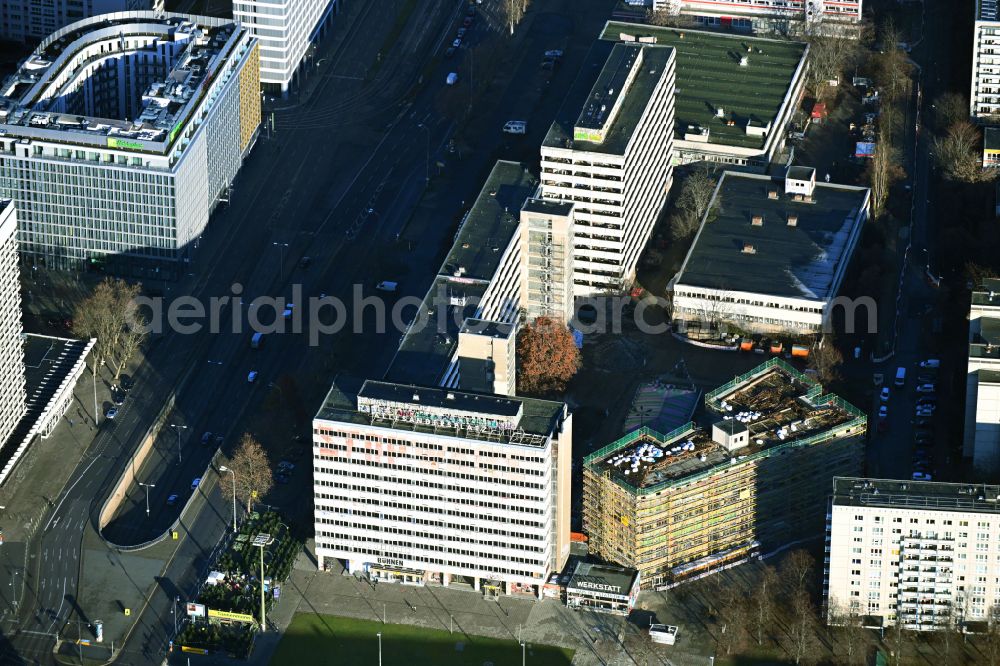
x=798, y=261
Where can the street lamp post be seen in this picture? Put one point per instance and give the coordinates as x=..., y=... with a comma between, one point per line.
x=223, y=468
x=262, y=540
x=379, y=634
x=522, y=653
x=427, y=162
x=281, y=257
x=13, y=588
x=147, y=486
x=177, y=429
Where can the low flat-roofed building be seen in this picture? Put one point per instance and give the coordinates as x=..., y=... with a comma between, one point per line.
x=602, y=587
x=608, y=153
x=479, y=279
x=121, y=133
x=734, y=94
x=423, y=484
x=841, y=18
x=981, y=442
x=924, y=554
x=991, y=146
x=678, y=505
x=770, y=255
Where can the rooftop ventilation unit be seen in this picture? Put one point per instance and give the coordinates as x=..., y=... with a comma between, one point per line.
x=772, y=194
x=793, y=220
x=749, y=249
x=757, y=220
x=744, y=61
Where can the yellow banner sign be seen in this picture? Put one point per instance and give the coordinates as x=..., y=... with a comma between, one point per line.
x=226, y=615
x=193, y=650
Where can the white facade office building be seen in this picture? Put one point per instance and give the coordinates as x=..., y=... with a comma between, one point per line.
x=609, y=153
x=984, y=97
x=424, y=485
x=788, y=17
x=120, y=134
x=981, y=441
x=285, y=30
x=27, y=20
x=13, y=394
x=921, y=553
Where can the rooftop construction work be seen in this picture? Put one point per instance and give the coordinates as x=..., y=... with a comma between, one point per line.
x=677, y=504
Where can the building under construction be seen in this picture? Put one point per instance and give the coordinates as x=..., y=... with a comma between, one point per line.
x=679, y=505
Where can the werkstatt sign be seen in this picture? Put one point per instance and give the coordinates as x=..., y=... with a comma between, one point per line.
x=226, y=615
x=123, y=143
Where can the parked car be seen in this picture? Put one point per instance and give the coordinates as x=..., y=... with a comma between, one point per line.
x=117, y=396
x=452, y=78
x=515, y=127
x=883, y=411
x=927, y=400
x=206, y=438
x=461, y=33
x=921, y=476
x=555, y=54
x=467, y=22
x=924, y=411
x=172, y=500
x=927, y=378
x=931, y=363
x=195, y=483
x=304, y=262
x=548, y=63
x=457, y=43
x=884, y=395
x=285, y=465
x=450, y=52
x=252, y=377
x=219, y=439
x=112, y=413
x=126, y=383
x=470, y=12
x=924, y=422
x=926, y=388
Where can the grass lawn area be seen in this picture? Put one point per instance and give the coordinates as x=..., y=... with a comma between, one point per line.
x=325, y=639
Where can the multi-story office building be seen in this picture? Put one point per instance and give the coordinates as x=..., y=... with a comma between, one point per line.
x=984, y=99
x=546, y=236
x=285, y=30
x=925, y=554
x=27, y=20
x=786, y=17
x=734, y=96
x=428, y=485
x=771, y=255
x=608, y=152
x=477, y=292
x=678, y=505
x=13, y=395
x=981, y=440
x=120, y=134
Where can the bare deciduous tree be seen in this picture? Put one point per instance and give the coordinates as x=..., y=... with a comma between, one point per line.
x=853, y=639
x=251, y=471
x=763, y=602
x=893, y=66
x=958, y=154
x=795, y=570
x=884, y=168
x=734, y=618
x=693, y=203
x=803, y=626
x=826, y=360
x=829, y=57
x=111, y=316
x=667, y=19
x=513, y=11
x=950, y=108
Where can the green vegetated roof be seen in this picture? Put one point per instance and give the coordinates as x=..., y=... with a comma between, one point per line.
x=709, y=76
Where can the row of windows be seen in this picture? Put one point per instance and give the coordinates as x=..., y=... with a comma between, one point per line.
x=431, y=537
x=503, y=494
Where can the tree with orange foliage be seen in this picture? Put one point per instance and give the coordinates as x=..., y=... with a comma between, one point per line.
x=547, y=357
